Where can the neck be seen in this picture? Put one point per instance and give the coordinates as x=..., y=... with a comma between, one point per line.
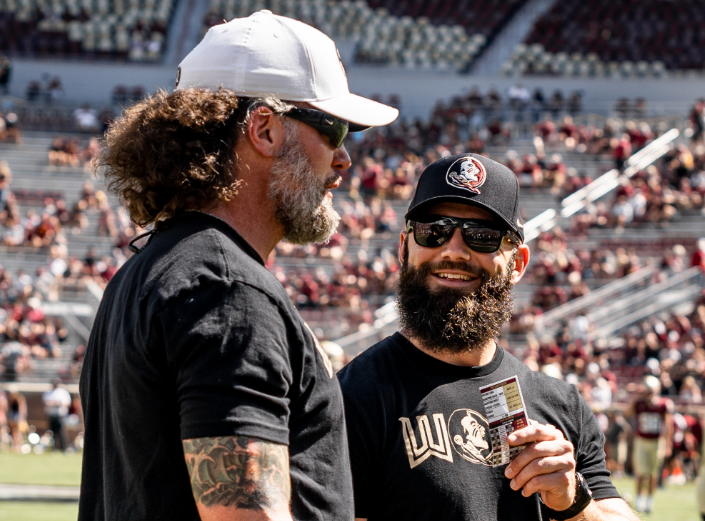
x=252, y=215
x=476, y=357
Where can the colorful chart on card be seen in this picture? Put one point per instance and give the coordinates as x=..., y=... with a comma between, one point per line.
x=506, y=413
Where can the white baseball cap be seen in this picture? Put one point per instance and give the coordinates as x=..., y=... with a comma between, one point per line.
x=270, y=55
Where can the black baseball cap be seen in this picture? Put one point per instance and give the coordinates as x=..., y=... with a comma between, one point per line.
x=473, y=180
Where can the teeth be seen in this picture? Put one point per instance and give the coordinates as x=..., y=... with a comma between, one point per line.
x=453, y=276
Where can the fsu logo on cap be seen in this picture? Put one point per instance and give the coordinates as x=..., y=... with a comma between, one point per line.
x=467, y=173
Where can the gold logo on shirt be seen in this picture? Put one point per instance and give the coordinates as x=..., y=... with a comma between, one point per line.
x=471, y=436
x=420, y=452
x=468, y=430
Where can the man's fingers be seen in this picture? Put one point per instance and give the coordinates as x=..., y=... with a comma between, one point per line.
x=551, y=487
x=534, y=432
x=538, y=450
x=553, y=473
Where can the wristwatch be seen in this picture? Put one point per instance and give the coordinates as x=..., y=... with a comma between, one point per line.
x=583, y=496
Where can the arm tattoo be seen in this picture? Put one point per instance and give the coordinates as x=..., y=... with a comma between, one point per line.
x=240, y=472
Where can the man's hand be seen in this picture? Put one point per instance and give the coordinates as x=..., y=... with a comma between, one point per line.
x=546, y=466
x=239, y=478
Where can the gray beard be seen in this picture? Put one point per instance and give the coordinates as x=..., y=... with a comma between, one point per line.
x=302, y=207
x=453, y=321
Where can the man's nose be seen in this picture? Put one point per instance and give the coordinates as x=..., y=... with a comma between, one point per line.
x=455, y=248
x=341, y=159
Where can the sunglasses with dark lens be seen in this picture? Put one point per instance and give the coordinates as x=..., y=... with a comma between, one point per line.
x=478, y=235
x=335, y=129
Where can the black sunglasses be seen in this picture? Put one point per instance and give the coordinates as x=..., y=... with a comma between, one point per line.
x=479, y=236
x=335, y=129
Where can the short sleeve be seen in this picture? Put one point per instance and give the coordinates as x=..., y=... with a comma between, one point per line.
x=590, y=455
x=227, y=348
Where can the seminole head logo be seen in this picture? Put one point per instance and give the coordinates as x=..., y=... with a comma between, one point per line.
x=467, y=173
x=470, y=433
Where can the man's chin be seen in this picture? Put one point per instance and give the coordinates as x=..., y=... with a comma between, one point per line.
x=455, y=320
x=316, y=229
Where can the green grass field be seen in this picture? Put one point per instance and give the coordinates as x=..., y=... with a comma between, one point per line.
x=672, y=504
x=53, y=468
x=46, y=469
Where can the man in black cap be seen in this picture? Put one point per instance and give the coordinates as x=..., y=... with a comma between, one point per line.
x=437, y=413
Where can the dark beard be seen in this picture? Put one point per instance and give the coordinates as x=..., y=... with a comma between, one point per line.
x=452, y=320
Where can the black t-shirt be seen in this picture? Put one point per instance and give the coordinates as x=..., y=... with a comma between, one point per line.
x=404, y=410
x=195, y=338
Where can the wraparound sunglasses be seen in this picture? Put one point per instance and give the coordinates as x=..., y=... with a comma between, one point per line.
x=478, y=235
x=335, y=129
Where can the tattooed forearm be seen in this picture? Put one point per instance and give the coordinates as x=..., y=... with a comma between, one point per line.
x=239, y=472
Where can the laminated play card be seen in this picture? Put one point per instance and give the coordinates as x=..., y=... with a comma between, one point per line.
x=506, y=413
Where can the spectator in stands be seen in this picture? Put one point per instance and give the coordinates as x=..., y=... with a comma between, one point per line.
x=55, y=90
x=519, y=97
x=13, y=133
x=538, y=104
x=63, y=152
x=86, y=119
x=556, y=104
x=575, y=103
x=698, y=258
x=5, y=74
x=621, y=151
x=106, y=118
x=16, y=416
x=690, y=391
x=56, y=407
x=697, y=121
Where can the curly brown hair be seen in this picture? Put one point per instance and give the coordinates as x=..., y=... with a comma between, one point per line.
x=173, y=152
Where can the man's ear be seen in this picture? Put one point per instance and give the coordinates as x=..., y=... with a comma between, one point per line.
x=520, y=263
x=403, y=236
x=265, y=131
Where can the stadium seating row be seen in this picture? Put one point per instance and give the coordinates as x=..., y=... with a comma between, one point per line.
x=383, y=38
x=123, y=29
x=606, y=38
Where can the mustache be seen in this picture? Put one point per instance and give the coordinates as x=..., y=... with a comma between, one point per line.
x=470, y=267
x=331, y=179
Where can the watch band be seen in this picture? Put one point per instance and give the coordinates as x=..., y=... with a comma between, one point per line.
x=583, y=496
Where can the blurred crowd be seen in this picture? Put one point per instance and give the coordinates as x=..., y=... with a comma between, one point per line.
x=356, y=270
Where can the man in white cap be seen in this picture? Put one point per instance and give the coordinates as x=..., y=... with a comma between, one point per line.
x=205, y=394
x=653, y=439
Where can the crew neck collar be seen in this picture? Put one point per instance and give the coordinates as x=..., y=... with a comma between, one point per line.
x=203, y=217
x=430, y=364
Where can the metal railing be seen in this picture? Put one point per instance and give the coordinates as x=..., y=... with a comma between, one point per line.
x=384, y=316
x=684, y=286
x=612, y=179
x=600, y=186
x=552, y=317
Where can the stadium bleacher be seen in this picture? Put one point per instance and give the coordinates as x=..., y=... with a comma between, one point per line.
x=339, y=286
x=133, y=30
x=620, y=39
x=409, y=34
